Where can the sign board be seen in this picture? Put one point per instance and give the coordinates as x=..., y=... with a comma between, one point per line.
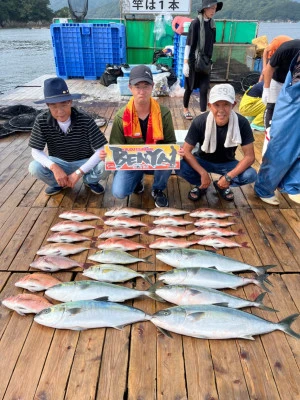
x=178, y=7
x=142, y=157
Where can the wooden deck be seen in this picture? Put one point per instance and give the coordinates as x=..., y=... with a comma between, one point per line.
x=138, y=362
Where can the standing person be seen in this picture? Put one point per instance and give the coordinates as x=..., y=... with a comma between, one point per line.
x=142, y=121
x=73, y=140
x=251, y=106
x=275, y=74
x=202, y=34
x=218, y=133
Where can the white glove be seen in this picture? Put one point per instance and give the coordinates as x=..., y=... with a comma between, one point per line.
x=186, y=69
x=265, y=95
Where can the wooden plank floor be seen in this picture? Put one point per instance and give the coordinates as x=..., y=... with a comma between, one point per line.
x=137, y=362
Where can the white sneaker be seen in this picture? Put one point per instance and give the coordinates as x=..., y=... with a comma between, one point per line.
x=295, y=197
x=271, y=200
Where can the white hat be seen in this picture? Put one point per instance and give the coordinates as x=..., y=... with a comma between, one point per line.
x=224, y=91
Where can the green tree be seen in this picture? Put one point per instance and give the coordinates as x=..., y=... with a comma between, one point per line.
x=63, y=13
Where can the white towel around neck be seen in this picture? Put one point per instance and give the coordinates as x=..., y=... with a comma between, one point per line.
x=233, y=137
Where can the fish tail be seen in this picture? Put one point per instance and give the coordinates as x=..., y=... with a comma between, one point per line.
x=87, y=265
x=94, y=245
x=155, y=296
x=285, y=325
x=94, y=238
x=245, y=245
x=236, y=214
x=240, y=232
x=98, y=226
x=261, y=280
x=147, y=275
x=263, y=269
x=259, y=300
x=146, y=259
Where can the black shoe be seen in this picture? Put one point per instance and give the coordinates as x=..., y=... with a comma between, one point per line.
x=139, y=188
x=95, y=187
x=52, y=190
x=160, y=198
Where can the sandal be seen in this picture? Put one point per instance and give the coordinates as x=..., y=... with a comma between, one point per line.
x=196, y=193
x=187, y=115
x=226, y=194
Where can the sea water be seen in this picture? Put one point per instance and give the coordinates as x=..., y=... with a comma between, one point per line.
x=27, y=53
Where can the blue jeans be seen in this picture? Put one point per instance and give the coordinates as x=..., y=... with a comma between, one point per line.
x=125, y=182
x=37, y=170
x=190, y=175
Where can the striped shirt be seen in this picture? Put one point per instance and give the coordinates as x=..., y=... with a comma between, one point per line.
x=80, y=142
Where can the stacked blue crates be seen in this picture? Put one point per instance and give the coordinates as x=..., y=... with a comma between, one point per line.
x=180, y=58
x=82, y=50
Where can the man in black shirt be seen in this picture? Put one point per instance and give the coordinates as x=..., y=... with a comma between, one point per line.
x=218, y=133
x=73, y=139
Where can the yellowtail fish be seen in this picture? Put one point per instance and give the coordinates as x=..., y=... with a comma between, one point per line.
x=169, y=220
x=116, y=257
x=55, y=263
x=26, y=303
x=67, y=237
x=166, y=212
x=211, y=222
x=171, y=243
x=210, y=213
x=36, y=282
x=124, y=212
x=61, y=249
x=120, y=244
x=217, y=322
x=71, y=226
x=123, y=222
x=119, y=232
x=115, y=273
x=213, y=231
x=87, y=314
x=220, y=242
x=170, y=231
x=78, y=215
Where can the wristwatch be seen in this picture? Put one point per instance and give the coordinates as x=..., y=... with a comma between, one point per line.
x=228, y=178
x=79, y=172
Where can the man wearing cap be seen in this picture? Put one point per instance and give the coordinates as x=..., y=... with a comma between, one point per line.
x=142, y=121
x=218, y=133
x=73, y=139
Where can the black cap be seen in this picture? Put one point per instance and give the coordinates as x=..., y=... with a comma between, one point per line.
x=209, y=3
x=140, y=73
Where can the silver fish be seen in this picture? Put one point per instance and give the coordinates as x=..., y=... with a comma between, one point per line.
x=90, y=290
x=116, y=257
x=124, y=212
x=189, y=295
x=189, y=258
x=216, y=322
x=170, y=231
x=166, y=211
x=55, y=263
x=211, y=278
x=115, y=273
x=61, y=249
x=78, y=215
x=86, y=314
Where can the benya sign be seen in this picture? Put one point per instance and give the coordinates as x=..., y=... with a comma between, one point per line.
x=142, y=157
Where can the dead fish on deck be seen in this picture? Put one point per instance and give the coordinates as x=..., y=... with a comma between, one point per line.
x=86, y=314
x=115, y=273
x=91, y=290
x=119, y=232
x=26, y=303
x=60, y=249
x=116, y=257
x=55, y=263
x=213, y=231
x=36, y=282
x=210, y=278
x=124, y=222
x=216, y=322
x=67, y=237
x=120, y=244
x=71, y=226
x=211, y=222
x=124, y=212
x=210, y=213
x=220, y=242
x=170, y=231
x=170, y=220
x=189, y=295
x=78, y=215
x=190, y=258
x=171, y=243
x=166, y=212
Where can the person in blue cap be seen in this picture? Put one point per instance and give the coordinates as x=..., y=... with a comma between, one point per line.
x=73, y=140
